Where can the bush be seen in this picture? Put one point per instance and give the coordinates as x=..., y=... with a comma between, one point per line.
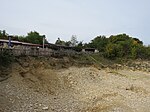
x=141, y=52
x=113, y=51
x=6, y=57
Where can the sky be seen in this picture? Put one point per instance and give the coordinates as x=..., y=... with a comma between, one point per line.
x=84, y=18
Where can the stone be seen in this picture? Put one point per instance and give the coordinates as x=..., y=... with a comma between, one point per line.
x=40, y=104
x=45, y=108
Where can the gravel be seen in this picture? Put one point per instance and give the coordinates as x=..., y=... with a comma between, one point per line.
x=84, y=89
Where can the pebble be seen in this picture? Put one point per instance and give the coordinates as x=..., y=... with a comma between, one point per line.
x=45, y=108
x=86, y=93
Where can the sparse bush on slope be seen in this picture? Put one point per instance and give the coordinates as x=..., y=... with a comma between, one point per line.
x=5, y=58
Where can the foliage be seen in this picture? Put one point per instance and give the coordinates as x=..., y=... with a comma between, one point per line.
x=142, y=52
x=116, y=46
x=59, y=42
x=100, y=42
x=3, y=34
x=35, y=38
x=113, y=50
x=5, y=57
x=68, y=43
x=73, y=40
x=119, y=38
x=120, y=46
x=123, y=46
x=32, y=37
x=79, y=46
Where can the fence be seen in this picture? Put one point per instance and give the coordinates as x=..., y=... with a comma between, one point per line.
x=39, y=52
x=27, y=52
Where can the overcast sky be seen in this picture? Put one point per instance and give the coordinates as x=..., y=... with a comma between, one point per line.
x=84, y=18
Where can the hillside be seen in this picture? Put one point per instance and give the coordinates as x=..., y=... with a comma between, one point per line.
x=73, y=84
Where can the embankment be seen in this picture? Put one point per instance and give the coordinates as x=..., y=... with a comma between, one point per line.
x=77, y=84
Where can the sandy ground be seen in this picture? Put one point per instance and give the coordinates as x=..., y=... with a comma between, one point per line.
x=84, y=89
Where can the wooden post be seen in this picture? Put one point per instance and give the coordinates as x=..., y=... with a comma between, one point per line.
x=9, y=44
x=43, y=41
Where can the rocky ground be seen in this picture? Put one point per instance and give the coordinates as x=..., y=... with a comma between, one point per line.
x=36, y=86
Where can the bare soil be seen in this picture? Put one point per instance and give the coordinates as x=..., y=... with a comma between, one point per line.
x=35, y=86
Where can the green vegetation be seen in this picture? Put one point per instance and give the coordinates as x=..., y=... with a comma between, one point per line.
x=71, y=43
x=100, y=43
x=60, y=42
x=120, y=46
x=3, y=34
x=35, y=38
x=5, y=58
x=32, y=37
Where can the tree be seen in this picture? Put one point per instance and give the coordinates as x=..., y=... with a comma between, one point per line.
x=60, y=42
x=119, y=38
x=79, y=47
x=68, y=43
x=35, y=38
x=74, y=40
x=22, y=39
x=3, y=34
x=99, y=42
x=137, y=41
x=127, y=43
x=80, y=44
x=142, y=52
x=0, y=33
x=113, y=50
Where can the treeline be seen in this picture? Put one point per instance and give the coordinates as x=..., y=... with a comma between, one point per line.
x=115, y=46
x=32, y=37
x=120, y=46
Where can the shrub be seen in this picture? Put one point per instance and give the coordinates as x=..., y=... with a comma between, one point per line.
x=6, y=57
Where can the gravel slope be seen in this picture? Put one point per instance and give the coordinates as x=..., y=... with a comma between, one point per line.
x=84, y=89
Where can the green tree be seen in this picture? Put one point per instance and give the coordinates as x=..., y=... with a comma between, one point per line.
x=60, y=42
x=73, y=40
x=143, y=52
x=22, y=39
x=113, y=51
x=137, y=41
x=68, y=43
x=119, y=38
x=80, y=44
x=79, y=47
x=127, y=44
x=35, y=38
x=0, y=33
x=3, y=34
x=99, y=42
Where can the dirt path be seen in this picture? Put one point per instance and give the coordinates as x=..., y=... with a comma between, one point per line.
x=85, y=89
